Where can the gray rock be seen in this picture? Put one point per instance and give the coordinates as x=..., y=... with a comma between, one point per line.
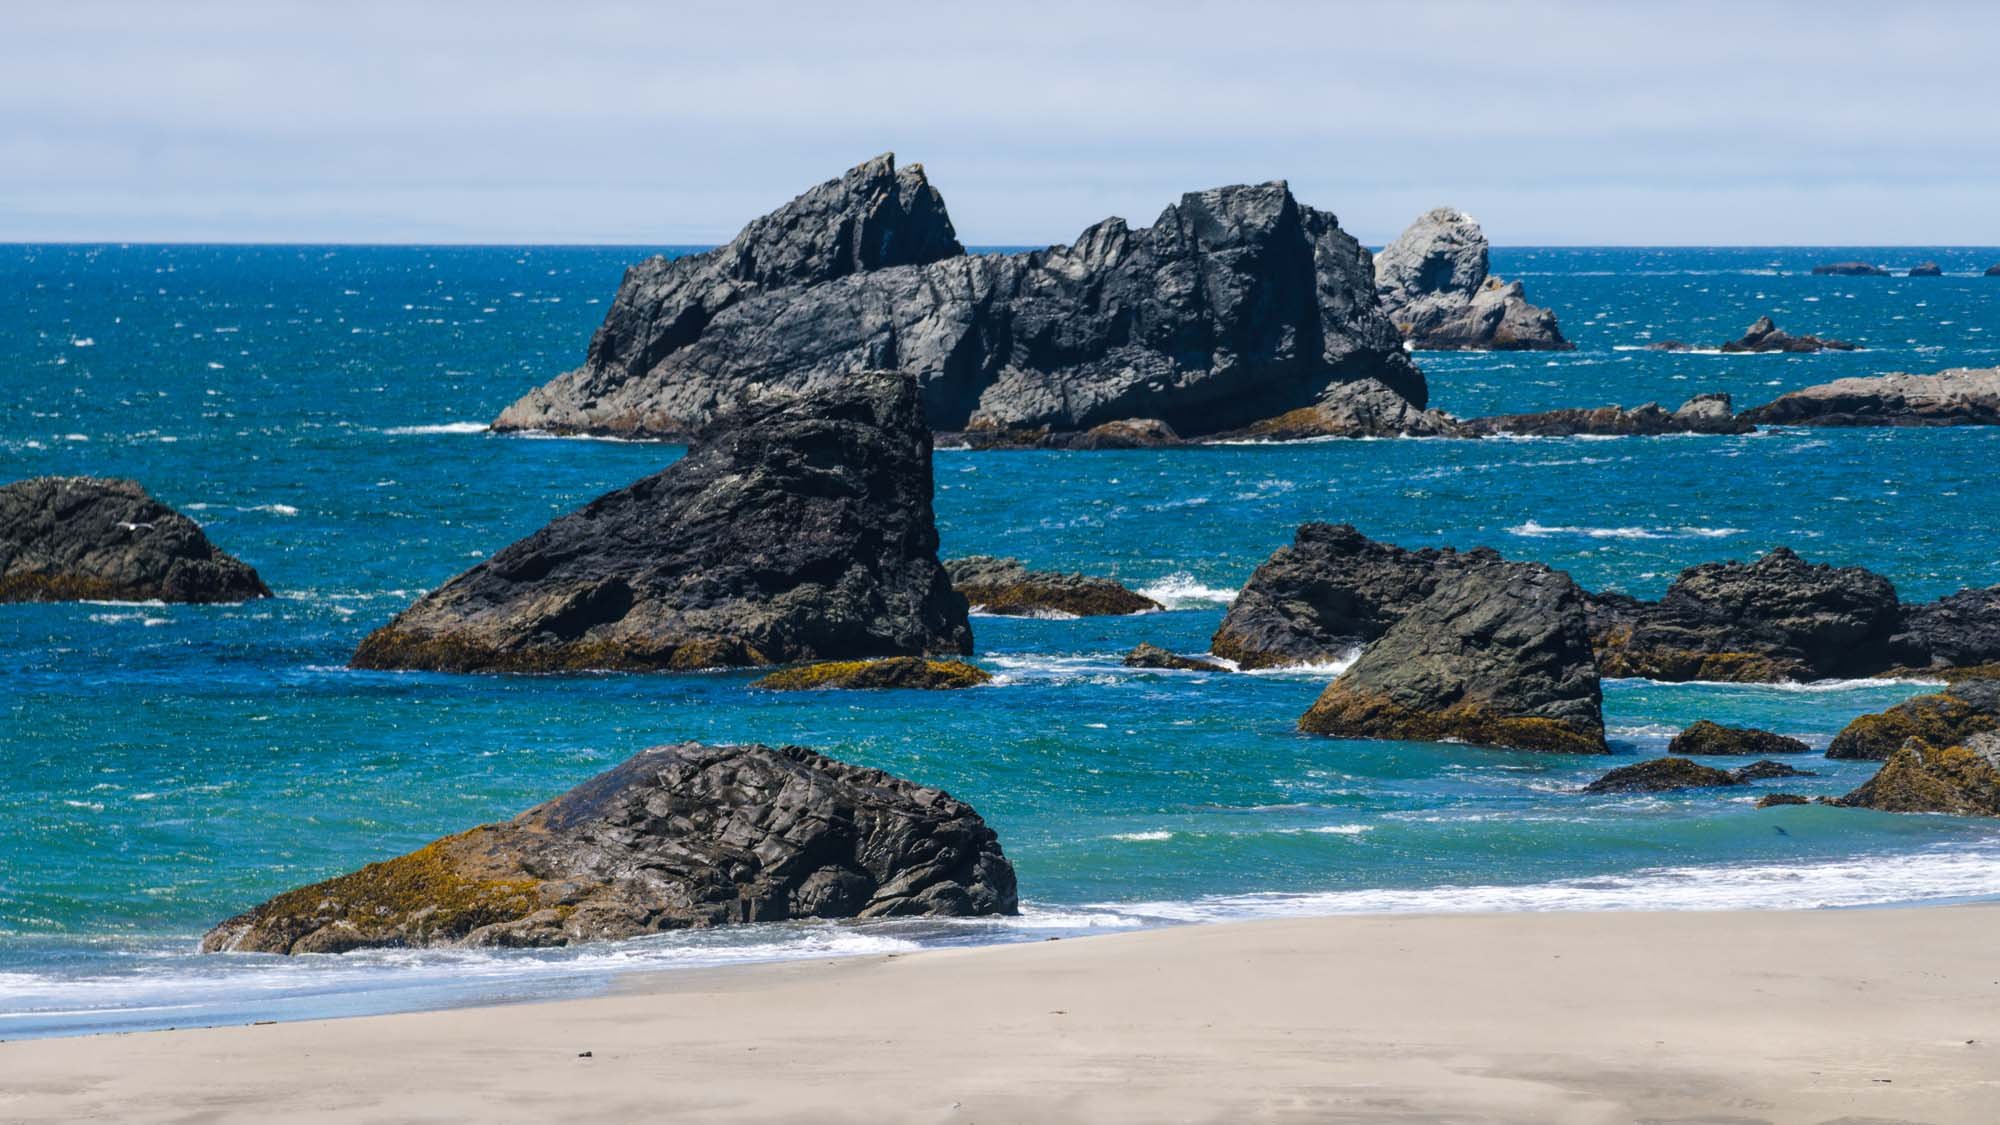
x=677, y=837
x=1959, y=630
x=1363, y=408
x=91, y=538
x=799, y=529
x=1702, y=414
x=1926, y=269
x=1963, y=396
x=1765, y=336
x=1850, y=269
x=1126, y=433
x=1008, y=588
x=1662, y=775
x=1148, y=655
x=1993, y=270
x=1707, y=738
x=1433, y=283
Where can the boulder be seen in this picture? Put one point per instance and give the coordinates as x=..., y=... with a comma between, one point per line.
x=1773, y=800
x=798, y=529
x=1126, y=433
x=1926, y=269
x=1957, y=631
x=1434, y=285
x=1361, y=409
x=1499, y=656
x=677, y=837
x=68, y=539
x=1944, y=718
x=1714, y=739
x=1964, y=396
x=1849, y=269
x=1237, y=304
x=1148, y=655
x=1661, y=775
x=887, y=672
x=1766, y=770
x=1764, y=336
x=1008, y=588
x=1961, y=778
x=1993, y=270
x=1702, y=414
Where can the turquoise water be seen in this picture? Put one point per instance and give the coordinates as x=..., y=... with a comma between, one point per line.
x=162, y=767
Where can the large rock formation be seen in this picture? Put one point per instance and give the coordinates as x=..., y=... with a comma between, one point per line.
x=1237, y=304
x=1961, y=778
x=676, y=837
x=1850, y=269
x=1944, y=718
x=1008, y=588
x=1710, y=738
x=77, y=538
x=1963, y=396
x=798, y=529
x=1433, y=283
x=1702, y=414
x=1499, y=655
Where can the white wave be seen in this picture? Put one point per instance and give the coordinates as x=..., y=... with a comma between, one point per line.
x=1142, y=837
x=1316, y=670
x=82, y=342
x=275, y=509
x=439, y=428
x=1534, y=530
x=1033, y=614
x=1182, y=590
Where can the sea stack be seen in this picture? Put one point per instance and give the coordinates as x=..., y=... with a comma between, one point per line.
x=91, y=538
x=677, y=837
x=799, y=528
x=1433, y=283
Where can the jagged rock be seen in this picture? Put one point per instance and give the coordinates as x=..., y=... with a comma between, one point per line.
x=797, y=530
x=677, y=837
x=1237, y=304
x=1126, y=433
x=1764, y=336
x=1707, y=738
x=1944, y=718
x=1499, y=655
x=1702, y=414
x=1661, y=775
x=1962, y=779
x=1963, y=396
x=1772, y=800
x=1148, y=655
x=1363, y=408
x=1433, y=283
x=1957, y=631
x=92, y=538
x=1766, y=770
x=1926, y=269
x=1332, y=590
x=887, y=672
x=1850, y=269
x=1008, y=588
x=1993, y=270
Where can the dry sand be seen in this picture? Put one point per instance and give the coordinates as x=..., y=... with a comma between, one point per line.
x=1854, y=1016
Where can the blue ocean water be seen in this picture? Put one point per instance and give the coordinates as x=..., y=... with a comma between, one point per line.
x=319, y=408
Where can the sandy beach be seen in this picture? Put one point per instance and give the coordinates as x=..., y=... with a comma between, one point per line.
x=1873, y=1015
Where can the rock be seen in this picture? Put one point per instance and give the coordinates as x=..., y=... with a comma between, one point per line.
x=1957, y=631
x=1779, y=618
x=1149, y=655
x=1772, y=800
x=1926, y=269
x=1766, y=770
x=799, y=530
x=1764, y=336
x=1962, y=779
x=1702, y=414
x=1331, y=591
x=1661, y=775
x=1126, y=433
x=1499, y=655
x=1363, y=408
x=1993, y=270
x=1712, y=739
x=1008, y=588
x=1944, y=718
x=1849, y=269
x=1237, y=304
x=1964, y=396
x=887, y=672
x=677, y=837
x=92, y=538
x=1434, y=285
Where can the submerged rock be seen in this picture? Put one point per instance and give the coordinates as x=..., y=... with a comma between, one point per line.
x=1434, y=285
x=1148, y=655
x=1363, y=408
x=1926, y=269
x=1964, y=396
x=1499, y=655
x=1764, y=336
x=800, y=530
x=1008, y=588
x=1961, y=778
x=1944, y=718
x=93, y=538
x=677, y=837
x=1237, y=304
x=1714, y=739
x=1702, y=414
x=887, y=672
x=1850, y=269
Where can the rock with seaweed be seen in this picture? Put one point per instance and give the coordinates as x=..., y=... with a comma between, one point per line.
x=1434, y=283
x=886, y=672
x=103, y=539
x=1149, y=655
x=1365, y=408
x=1662, y=775
x=1960, y=777
x=1940, y=719
x=1008, y=588
x=1713, y=739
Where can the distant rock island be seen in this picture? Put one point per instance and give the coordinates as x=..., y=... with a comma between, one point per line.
x=1434, y=284
x=1964, y=396
x=1850, y=269
x=93, y=538
x=1926, y=269
x=1764, y=336
x=1702, y=414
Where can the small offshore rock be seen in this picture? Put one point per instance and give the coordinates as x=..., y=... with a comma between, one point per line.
x=1944, y=718
x=1993, y=270
x=1149, y=655
x=1365, y=408
x=1961, y=778
x=68, y=539
x=1008, y=588
x=1926, y=269
x=1963, y=396
x=1713, y=739
x=1661, y=775
x=1772, y=800
x=1433, y=283
x=1766, y=769
x=1765, y=336
x=1850, y=269
x=1702, y=414
x=888, y=672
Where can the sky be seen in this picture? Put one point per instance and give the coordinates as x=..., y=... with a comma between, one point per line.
x=1606, y=123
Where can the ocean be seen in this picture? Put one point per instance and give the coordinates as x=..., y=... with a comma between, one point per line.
x=320, y=411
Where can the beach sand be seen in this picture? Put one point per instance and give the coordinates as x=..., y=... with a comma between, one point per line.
x=1738, y=1017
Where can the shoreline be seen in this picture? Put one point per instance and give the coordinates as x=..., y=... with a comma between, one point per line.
x=1589, y=1016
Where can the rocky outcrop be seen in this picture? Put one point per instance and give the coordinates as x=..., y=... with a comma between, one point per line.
x=1702, y=414
x=1148, y=655
x=1944, y=718
x=1964, y=396
x=1764, y=336
x=1434, y=284
x=1238, y=304
x=910, y=672
x=1662, y=775
x=1766, y=769
x=796, y=530
x=1008, y=588
x=1957, y=631
x=1499, y=656
x=1361, y=409
x=1926, y=269
x=1774, y=800
x=91, y=538
x=1714, y=739
x=1126, y=433
x=677, y=837
x=1849, y=269
x=1962, y=779
x=1993, y=270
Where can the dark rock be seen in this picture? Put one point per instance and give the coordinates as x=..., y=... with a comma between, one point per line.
x=1764, y=336
x=1149, y=655
x=1008, y=588
x=1706, y=738
x=1126, y=433
x=1661, y=775
x=1702, y=414
x=1499, y=655
x=1434, y=285
x=1363, y=408
x=1237, y=304
x=90, y=538
x=1850, y=269
x=799, y=530
x=1926, y=269
x=1993, y=270
x=1957, y=631
x=887, y=672
x=1944, y=718
x=1772, y=800
x=1766, y=770
x=1964, y=396
x=677, y=837
x=1962, y=779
